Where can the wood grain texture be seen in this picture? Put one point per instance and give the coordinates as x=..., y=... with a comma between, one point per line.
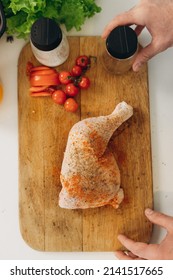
x=43, y=132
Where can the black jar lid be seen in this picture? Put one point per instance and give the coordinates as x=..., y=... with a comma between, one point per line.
x=122, y=42
x=46, y=35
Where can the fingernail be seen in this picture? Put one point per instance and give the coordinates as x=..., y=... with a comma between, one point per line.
x=137, y=66
x=148, y=211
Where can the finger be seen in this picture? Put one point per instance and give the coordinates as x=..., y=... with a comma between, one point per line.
x=139, y=29
x=131, y=255
x=130, y=244
x=123, y=19
x=140, y=249
x=160, y=219
x=144, y=55
x=122, y=255
x=156, y=46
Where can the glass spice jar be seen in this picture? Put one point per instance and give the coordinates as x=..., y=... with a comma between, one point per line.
x=48, y=43
x=120, y=51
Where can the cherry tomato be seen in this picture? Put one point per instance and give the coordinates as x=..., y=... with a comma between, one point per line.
x=76, y=70
x=59, y=96
x=44, y=80
x=84, y=83
x=71, y=89
x=82, y=61
x=65, y=77
x=70, y=105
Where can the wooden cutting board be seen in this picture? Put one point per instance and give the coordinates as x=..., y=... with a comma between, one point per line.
x=43, y=132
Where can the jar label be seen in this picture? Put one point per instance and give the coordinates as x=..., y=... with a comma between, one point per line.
x=54, y=57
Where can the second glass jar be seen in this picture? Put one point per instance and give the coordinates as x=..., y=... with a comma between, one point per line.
x=120, y=50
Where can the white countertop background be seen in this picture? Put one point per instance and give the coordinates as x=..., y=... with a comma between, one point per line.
x=12, y=246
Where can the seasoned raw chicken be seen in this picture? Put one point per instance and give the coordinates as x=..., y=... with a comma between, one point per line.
x=90, y=176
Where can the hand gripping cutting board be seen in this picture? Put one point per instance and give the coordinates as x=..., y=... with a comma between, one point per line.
x=43, y=132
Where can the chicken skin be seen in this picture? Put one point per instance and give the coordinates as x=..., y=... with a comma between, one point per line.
x=90, y=176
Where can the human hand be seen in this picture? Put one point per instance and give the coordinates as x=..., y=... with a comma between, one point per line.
x=141, y=251
x=157, y=17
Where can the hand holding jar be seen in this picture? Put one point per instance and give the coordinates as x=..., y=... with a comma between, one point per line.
x=157, y=17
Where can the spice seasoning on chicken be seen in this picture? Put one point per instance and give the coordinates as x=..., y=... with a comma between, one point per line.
x=90, y=175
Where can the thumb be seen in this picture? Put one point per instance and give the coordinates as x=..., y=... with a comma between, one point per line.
x=160, y=219
x=143, y=56
x=126, y=18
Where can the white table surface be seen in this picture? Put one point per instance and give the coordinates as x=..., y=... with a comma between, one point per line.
x=12, y=245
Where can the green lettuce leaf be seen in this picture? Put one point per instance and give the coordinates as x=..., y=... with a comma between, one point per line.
x=27, y=6
x=21, y=14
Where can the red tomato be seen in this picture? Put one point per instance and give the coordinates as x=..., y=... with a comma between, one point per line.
x=70, y=105
x=38, y=68
x=44, y=80
x=65, y=77
x=50, y=89
x=43, y=72
x=76, y=71
x=84, y=83
x=38, y=89
x=40, y=93
x=29, y=67
x=59, y=96
x=82, y=61
x=71, y=89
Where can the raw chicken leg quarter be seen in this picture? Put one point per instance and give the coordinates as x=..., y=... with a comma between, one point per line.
x=90, y=176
